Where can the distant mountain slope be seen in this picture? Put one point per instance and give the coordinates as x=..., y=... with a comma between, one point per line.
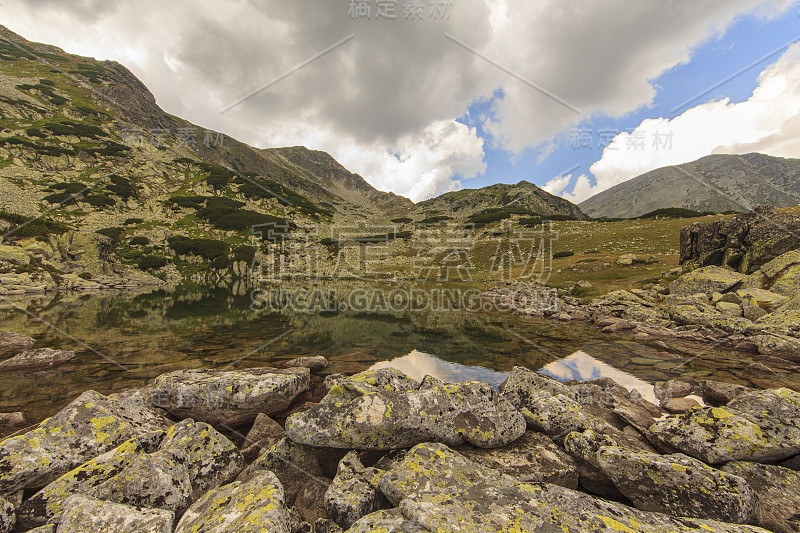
x=106, y=95
x=462, y=204
x=714, y=183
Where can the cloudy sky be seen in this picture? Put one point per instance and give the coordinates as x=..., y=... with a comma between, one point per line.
x=425, y=96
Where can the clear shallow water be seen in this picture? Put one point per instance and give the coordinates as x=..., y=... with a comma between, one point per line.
x=123, y=340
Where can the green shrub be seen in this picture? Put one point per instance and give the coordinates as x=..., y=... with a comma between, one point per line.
x=495, y=214
x=115, y=234
x=24, y=227
x=432, y=220
x=221, y=263
x=151, y=262
x=35, y=132
x=327, y=241
x=63, y=198
x=99, y=200
x=402, y=220
x=47, y=82
x=66, y=127
x=205, y=248
x=85, y=275
x=139, y=241
x=244, y=253
x=69, y=187
x=559, y=255
x=122, y=187
x=675, y=212
x=131, y=221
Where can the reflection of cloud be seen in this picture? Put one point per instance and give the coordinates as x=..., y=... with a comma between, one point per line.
x=417, y=365
x=584, y=367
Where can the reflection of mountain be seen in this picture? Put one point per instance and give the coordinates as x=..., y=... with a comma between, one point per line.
x=417, y=365
x=583, y=367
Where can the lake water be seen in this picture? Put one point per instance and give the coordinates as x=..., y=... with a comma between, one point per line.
x=124, y=339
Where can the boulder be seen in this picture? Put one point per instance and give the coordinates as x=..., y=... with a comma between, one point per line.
x=440, y=490
x=13, y=343
x=777, y=494
x=557, y=416
x=14, y=254
x=626, y=259
x=211, y=459
x=679, y=405
x=82, y=514
x=706, y=280
x=254, y=505
x=47, y=504
x=522, y=384
x=264, y=433
x=7, y=516
x=583, y=447
x=156, y=481
x=767, y=300
x=672, y=389
x=313, y=363
x=354, y=492
x=757, y=426
x=677, y=485
x=720, y=393
x=359, y=416
x=86, y=428
x=532, y=457
x=36, y=360
x=729, y=309
x=228, y=398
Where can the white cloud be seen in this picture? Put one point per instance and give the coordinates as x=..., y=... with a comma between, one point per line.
x=768, y=122
x=558, y=184
x=399, y=85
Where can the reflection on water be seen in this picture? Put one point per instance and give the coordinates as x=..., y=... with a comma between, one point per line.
x=123, y=340
x=417, y=365
x=583, y=367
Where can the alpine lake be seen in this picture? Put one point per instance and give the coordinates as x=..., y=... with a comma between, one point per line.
x=122, y=340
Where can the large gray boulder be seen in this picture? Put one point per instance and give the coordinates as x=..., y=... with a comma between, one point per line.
x=364, y=416
x=89, y=426
x=707, y=280
x=756, y=426
x=533, y=457
x=557, y=416
x=252, y=506
x=442, y=491
x=211, y=459
x=228, y=398
x=354, y=492
x=48, y=504
x=678, y=485
x=12, y=343
x=82, y=514
x=523, y=384
x=777, y=494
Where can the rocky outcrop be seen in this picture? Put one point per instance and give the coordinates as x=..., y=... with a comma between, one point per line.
x=677, y=485
x=88, y=427
x=7, y=516
x=228, y=398
x=360, y=415
x=250, y=506
x=744, y=243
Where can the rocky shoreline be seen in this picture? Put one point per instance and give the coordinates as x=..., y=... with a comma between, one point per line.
x=284, y=450
x=756, y=314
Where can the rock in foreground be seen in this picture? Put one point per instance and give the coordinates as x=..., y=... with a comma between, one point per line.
x=82, y=515
x=442, y=491
x=228, y=399
x=36, y=359
x=356, y=416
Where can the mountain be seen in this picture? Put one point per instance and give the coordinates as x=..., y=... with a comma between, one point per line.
x=119, y=124
x=716, y=183
x=524, y=195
